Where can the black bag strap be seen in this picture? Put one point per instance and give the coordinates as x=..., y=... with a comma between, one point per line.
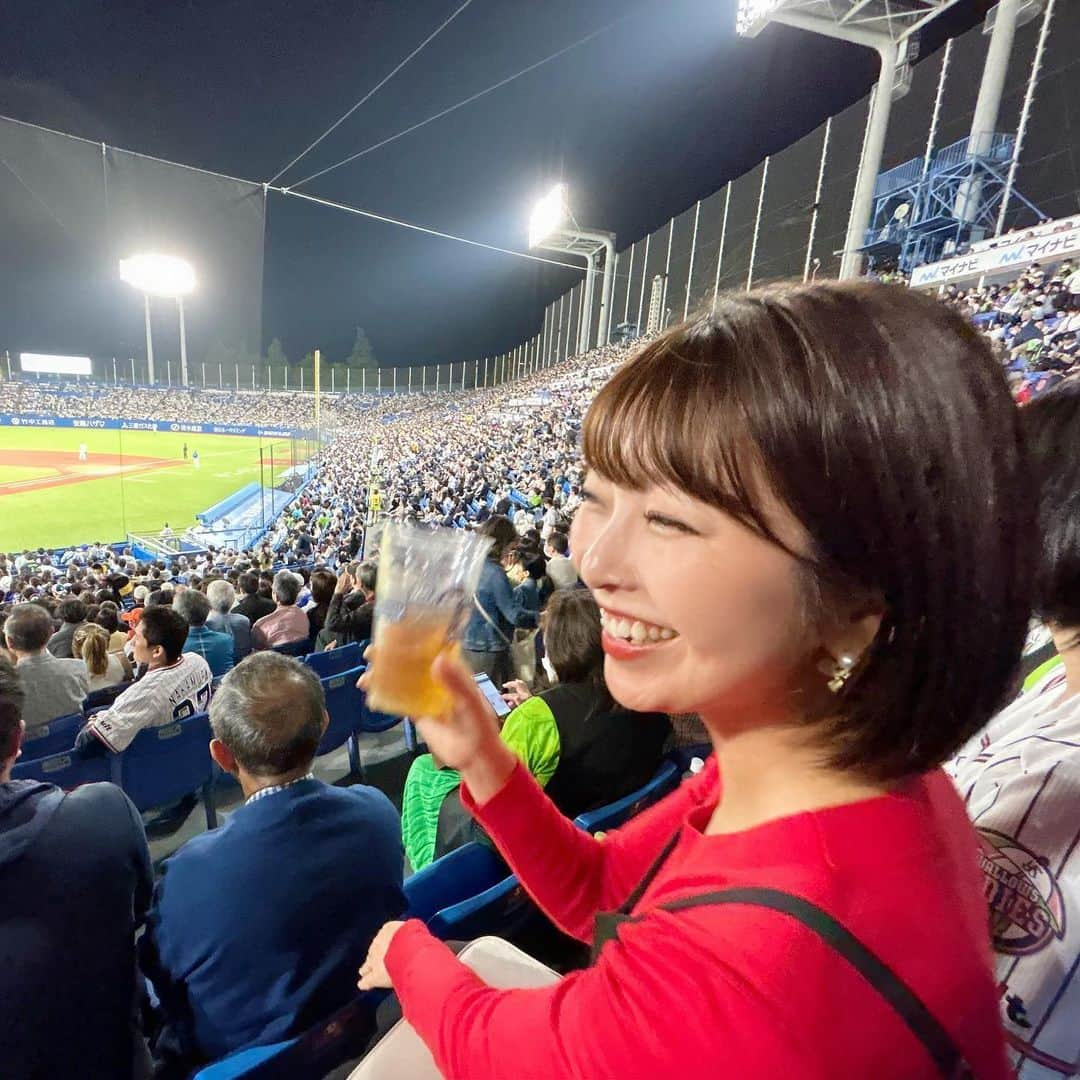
x=633, y=899
x=920, y=1021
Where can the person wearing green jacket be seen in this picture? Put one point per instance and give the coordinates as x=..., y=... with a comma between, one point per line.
x=584, y=749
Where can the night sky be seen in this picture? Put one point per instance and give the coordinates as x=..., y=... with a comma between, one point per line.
x=659, y=109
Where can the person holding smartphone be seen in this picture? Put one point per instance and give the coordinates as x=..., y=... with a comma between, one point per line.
x=806, y=519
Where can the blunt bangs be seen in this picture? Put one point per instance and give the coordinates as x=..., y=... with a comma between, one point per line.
x=672, y=416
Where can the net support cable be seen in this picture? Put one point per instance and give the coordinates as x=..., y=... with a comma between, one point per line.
x=458, y=105
x=373, y=91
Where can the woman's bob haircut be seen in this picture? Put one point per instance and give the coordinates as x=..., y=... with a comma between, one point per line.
x=881, y=421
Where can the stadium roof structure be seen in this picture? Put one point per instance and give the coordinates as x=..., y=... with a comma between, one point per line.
x=899, y=19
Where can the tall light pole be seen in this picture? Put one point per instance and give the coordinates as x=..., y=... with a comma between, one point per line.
x=552, y=227
x=887, y=27
x=161, y=275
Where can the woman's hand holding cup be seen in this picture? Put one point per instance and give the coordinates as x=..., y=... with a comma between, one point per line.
x=466, y=738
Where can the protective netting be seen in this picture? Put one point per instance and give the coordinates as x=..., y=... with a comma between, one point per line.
x=71, y=209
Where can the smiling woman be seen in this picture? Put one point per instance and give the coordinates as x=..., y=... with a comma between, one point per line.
x=806, y=521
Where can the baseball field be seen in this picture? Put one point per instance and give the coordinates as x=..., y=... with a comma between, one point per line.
x=54, y=495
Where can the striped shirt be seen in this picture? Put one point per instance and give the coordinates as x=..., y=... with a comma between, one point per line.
x=1020, y=779
x=160, y=697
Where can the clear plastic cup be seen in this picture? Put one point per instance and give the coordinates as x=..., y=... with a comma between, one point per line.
x=423, y=600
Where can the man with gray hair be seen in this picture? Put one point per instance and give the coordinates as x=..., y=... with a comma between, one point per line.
x=222, y=597
x=258, y=927
x=53, y=687
x=286, y=623
x=214, y=647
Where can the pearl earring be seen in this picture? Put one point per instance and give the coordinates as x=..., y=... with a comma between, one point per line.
x=845, y=665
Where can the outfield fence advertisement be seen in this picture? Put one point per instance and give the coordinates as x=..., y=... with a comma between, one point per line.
x=100, y=423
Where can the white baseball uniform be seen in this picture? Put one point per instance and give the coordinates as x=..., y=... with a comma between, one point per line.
x=1020, y=779
x=158, y=698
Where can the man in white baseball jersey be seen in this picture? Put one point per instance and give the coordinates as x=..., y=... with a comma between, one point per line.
x=176, y=685
x=1020, y=778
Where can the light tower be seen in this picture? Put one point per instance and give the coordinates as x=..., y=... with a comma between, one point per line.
x=552, y=227
x=161, y=275
x=889, y=28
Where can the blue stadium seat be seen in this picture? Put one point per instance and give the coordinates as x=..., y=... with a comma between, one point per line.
x=615, y=814
x=505, y=910
x=335, y=660
x=464, y=894
x=459, y=875
x=376, y=721
x=321, y=1049
x=64, y=770
x=164, y=764
x=345, y=708
x=53, y=737
x=103, y=698
x=683, y=755
x=245, y=1064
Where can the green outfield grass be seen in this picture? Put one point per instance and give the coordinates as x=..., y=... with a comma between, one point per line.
x=164, y=488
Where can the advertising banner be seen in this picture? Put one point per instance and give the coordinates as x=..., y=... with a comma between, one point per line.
x=112, y=424
x=1017, y=254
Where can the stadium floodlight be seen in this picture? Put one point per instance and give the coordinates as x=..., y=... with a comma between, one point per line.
x=166, y=276
x=552, y=226
x=886, y=26
x=159, y=275
x=548, y=215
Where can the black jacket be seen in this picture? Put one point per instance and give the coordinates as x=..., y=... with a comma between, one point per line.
x=254, y=607
x=349, y=618
x=76, y=880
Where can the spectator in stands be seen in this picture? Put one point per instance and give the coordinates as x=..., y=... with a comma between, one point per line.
x=535, y=588
x=352, y=607
x=572, y=739
x=497, y=613
x=75, y=876
x=552, y=517
x=174, y=685
x=214, y=646
x=90, y=644
x=287, y=623
x=222, y=618
x=139, y=595
x=53, y=687
x=231, y=973
x=1020, y=776
x=108, y=617
x=560, y=570
x=252, y=605
x=783, y=536
x=72, y=615
x=323, y=583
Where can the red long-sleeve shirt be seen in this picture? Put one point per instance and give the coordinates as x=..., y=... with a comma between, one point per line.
x=724, y=991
